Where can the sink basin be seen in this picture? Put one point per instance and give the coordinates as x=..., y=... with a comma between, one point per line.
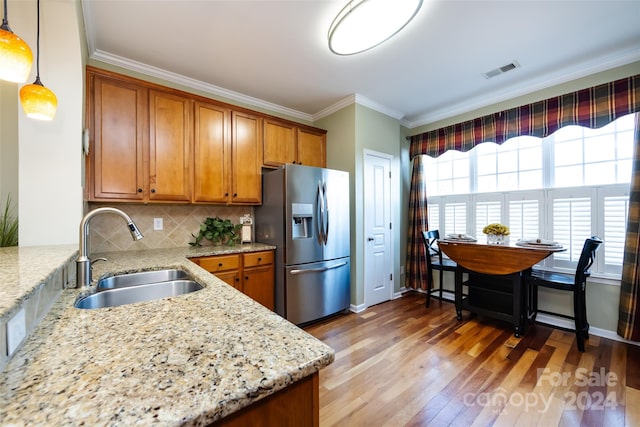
x=138, y=293
x=141, y=278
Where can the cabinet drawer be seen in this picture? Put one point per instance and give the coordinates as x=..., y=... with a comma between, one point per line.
x=255, y=259
x=214, y=264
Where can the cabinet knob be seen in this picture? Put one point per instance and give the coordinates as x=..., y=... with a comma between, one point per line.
x=246, y=277
x=259, y=259
x=219, y=264
x=153, y=190
x=226, y=194
x=139, y=190
x=235, y=194
x=237, y=279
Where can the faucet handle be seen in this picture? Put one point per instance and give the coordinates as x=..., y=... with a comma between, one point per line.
x=98, y=259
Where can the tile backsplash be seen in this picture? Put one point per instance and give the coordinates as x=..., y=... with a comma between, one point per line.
x=109, y=232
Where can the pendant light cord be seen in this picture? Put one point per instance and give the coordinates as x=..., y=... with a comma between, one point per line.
x=5, y=19
x=38, y=82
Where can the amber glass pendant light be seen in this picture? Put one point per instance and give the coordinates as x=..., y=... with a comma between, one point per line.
x=38, y=102
x=15, y=55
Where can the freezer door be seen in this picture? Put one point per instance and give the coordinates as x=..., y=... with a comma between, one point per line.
x=317, y=290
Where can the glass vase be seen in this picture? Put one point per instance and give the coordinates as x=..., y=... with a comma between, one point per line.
x=496, y=239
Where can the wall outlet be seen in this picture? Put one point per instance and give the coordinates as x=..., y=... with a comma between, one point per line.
x=16, y=331
x=157, y=224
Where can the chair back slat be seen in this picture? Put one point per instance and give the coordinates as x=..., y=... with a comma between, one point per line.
x=587, y=257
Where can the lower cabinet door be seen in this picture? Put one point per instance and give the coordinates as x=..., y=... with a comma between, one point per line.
x=258, y=284
x=232, y=278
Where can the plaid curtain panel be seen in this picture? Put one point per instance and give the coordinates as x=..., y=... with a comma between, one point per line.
x=593, y=107
x=416, y=264
x=629, y=309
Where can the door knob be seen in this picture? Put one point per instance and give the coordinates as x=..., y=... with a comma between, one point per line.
x=370, y=239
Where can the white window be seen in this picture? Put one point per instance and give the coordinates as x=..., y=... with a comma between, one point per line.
x=567, y=187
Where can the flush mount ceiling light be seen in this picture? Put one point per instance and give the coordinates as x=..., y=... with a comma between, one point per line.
x=364, y=24
x=15, y=55
x=38, y=102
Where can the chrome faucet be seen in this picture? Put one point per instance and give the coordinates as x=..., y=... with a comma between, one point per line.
x=83, y=263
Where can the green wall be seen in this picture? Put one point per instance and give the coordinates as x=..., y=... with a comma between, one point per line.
x=351, y=131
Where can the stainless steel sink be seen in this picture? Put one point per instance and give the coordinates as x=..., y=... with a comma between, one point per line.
x=141, y=278
x=138, y=293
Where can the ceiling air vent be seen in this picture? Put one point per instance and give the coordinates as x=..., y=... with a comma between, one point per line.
x=511, y=66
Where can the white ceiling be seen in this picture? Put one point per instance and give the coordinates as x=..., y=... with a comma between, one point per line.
x=274, y=54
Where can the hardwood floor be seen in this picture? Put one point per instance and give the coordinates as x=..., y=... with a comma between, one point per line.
x=402, y=364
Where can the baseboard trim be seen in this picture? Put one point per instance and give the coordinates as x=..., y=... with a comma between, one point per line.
x=559, y=322
x=357, y=308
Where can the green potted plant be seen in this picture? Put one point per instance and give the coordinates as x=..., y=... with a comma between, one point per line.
x=8, y=226
x=218, y=231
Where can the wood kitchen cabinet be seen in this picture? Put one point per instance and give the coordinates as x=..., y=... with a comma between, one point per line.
x=312, y=148
x=212, y=153
x=118, y=121
x=227, y=156
x=246, y=159
x=169, y=147
x=251, y=273
x=287, y=143
x=141, y=143
x=150, y=143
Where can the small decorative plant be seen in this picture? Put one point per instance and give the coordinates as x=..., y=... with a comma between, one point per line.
x=497, y=229
x=496, y=233
x=8, y=226
x=218, y=231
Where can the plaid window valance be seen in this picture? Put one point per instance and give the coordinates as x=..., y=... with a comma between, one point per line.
x=593, y=107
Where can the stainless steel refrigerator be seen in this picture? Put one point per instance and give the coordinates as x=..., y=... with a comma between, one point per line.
x=305, y=214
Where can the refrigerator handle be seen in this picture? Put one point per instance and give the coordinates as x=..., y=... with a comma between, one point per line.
x=317, y=270
x=320, y=213
x=326, y=214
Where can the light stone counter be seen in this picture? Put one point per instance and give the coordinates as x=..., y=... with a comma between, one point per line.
x=187, y=360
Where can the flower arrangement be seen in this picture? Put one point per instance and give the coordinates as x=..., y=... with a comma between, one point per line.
x=496, y=233
x=497, y=229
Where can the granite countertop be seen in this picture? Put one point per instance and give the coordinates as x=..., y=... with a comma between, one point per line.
x=188, y=360
x=23, y=269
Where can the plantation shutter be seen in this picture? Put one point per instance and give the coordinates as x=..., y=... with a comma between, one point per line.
x=616, y=211
x=487, y=213
x=455, y=218
x=524, y=219
x=571, y=226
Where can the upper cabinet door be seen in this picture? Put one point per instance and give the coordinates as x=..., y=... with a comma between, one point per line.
x=311, y=148
x=169, y=147
x=212, y=153
x=118, y=133
x=246, y=158
x=279, y=143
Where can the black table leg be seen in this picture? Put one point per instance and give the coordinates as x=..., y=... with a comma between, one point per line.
x=458, y=293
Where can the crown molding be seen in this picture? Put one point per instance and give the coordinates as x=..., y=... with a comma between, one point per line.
x=196, y=84
x=356, y=98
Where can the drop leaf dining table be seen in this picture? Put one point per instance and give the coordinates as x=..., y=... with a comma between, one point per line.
x=496, y=285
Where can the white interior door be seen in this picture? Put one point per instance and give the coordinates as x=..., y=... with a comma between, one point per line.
x=378, y=257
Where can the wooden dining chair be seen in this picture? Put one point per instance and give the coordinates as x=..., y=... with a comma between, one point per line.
x=566, y=282
x=435, y=261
